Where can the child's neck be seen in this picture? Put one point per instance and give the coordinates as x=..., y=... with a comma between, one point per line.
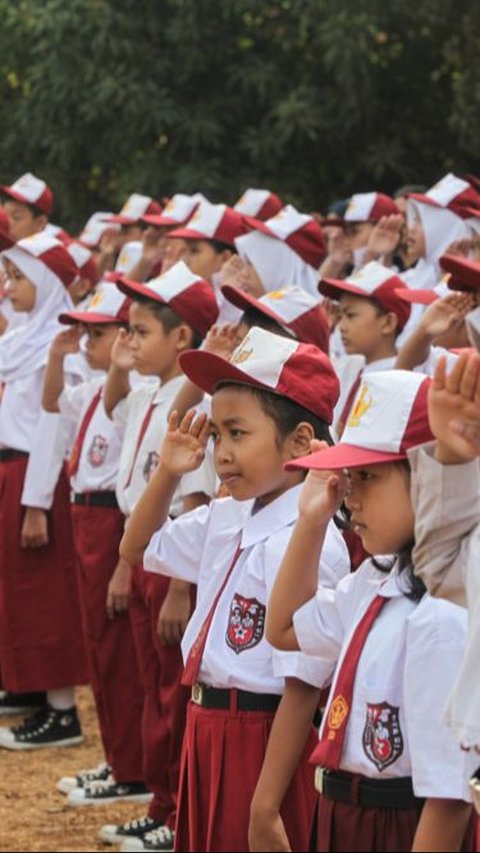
x=167, y=375
x=293, y=479
x=385, y=349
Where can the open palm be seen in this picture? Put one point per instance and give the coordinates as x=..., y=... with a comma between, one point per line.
x=183, y=447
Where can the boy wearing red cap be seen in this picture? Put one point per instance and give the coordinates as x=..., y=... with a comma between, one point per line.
x=168, y=315
x=28, y=203
x=98, y=526
x=268, y=402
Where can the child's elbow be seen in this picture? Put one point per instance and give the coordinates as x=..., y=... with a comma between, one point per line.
x=282, y=639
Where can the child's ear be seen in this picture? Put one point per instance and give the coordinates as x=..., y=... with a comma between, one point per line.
x=300, y=440
x=183, y=337
x=390, y=324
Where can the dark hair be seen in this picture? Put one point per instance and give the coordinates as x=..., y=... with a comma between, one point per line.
x=220, y=247
x=168, y=318
x=285, y=413
x=380, y=309
x=34, y=210
x=254, y=317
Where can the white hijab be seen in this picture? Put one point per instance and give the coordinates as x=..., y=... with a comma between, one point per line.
x=276, y=263
x=24, y=350
x=441, y=228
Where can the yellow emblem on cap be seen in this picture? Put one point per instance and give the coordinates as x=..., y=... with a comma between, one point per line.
x=362, y=405
x=241, y=357
x=352, y=205
x=96, y=300
x=337, y=713
x=276, y=294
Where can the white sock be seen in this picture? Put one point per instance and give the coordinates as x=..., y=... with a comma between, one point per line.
x=61, y=700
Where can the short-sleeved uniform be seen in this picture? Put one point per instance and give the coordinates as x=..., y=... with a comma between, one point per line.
x=404, y=675
x=98, y=527
x=223, y=747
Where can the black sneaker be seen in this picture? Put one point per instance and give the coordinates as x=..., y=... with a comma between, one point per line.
x=116, y=833
x=48, y=727
x=98, y=793
x=160, y=840
x=84, y=777
x=19, y=703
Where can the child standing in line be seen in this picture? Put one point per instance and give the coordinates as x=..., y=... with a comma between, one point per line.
x=41, y=644
x=98, y=527
x=390, y=775
x=268, y=402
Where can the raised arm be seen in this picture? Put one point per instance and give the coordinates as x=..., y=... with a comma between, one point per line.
x=53, y=383
x=440, y=317
x=117, y=386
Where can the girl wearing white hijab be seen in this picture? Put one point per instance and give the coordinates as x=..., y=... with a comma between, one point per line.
x=41, y=645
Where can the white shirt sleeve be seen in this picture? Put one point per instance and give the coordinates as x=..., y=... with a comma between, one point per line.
x=50, y=443
x=71, y=402
x=176, y=549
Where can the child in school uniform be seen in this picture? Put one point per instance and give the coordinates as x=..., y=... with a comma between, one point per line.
x=445, y=487
x=268, y=402
x=390, y=774
x=41, y=645
x=372, y=316
x=168, y=314
x=129, y=221
x=98, y=527
x=28, y=203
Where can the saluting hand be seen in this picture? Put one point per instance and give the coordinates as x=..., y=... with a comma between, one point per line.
x=323, y=491
x=454, y=409
x=183, y=448
x=67, y=342
x=122, y=356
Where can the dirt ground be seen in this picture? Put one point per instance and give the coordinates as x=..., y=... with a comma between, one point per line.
x=34, y=815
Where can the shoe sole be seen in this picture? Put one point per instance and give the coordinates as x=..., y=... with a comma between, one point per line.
x=67, y=787
x=30, y=709
x=134, y=798
x=129, y=847
x=19, y=747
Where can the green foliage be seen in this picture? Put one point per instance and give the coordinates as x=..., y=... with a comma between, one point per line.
x=313, y=98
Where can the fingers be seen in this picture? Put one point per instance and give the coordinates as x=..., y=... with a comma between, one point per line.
x=454, y=378
x=439, y=376
x=470, y=379
x=316, y=445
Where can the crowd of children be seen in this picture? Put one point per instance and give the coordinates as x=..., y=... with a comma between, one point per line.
x=239, y=498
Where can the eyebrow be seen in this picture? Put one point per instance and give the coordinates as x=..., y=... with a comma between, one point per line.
x=229, y=421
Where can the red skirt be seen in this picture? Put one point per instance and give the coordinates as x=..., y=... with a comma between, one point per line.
x=41, y=642
x=222, y=757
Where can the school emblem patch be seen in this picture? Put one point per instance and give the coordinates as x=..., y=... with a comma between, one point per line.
x=97, y=451
x=246, y=622
x=150, y=465
x=382, y=736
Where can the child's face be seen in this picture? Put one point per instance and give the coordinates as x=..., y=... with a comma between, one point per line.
x=22, y=292
x=22, y=223
x=100, y=339
x=362, y=327
x=155, y=351
x=415, y=236
x=250, y=280
x=248, y=455
x=202, y=258
x=358, y=234
x=382, y=512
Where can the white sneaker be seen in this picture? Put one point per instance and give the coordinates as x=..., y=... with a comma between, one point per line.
x=102, y=772
x=117, y=833
x=99, y=793
x=160, y=840
x=475, y=790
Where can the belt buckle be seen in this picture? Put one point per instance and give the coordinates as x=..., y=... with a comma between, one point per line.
x=197, y=694
x=319, y=779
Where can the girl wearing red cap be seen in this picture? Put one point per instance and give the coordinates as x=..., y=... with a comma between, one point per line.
x=265, y=410
x=40, y=630
x=389, y=773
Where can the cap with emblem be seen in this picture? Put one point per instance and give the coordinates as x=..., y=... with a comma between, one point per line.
x=369, y=207
x=95, y=227
x=49, y=251
x=464, y=273
x=31, y=190
x=188, y=295
x=300, y=372
x=373, y=281
x=84, y=260
x=177, y=210
x=262, y=204
x=212, y=222
x=298, y=230
x=389, y=416
x=292, y=308
x=451, y=193
x=135, y=208
x=107, y=305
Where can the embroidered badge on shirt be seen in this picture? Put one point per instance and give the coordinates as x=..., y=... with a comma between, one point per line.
x=382, y=736
x=246, y=622
x=150, y=465
x=97, y=451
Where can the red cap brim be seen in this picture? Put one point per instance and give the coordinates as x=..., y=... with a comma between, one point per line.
x=244, y=301
x=158, y=220
x=465, y=272
x=343, y=456
x=131, y=288
x=420, y=297
x=123, y=220
x=189, y=234
x=22, y=200
x=206, y=370
x=86, y=317
x=334, y=287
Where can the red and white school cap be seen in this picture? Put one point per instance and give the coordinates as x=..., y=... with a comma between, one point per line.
x=188, y=295
x=49, y=251
x=84, y=260
x=5, y=240
x=213, y=222
x=300, y=372
x=298, y=230
x=424, y=296
x=373, y=281
x=464, y=273
x=369, y=207
x=178, y=210
x=129, y=256
x=31, y=190
x=262, y=204
x=292, y=308
x=135, y=208
x=107, y=305
x=95, y=228
x=389, y=416
x=451, y=193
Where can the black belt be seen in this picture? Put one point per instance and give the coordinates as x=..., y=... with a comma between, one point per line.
x=95, y=499
x=242, y=700
x=7, y=453
x=369, y=793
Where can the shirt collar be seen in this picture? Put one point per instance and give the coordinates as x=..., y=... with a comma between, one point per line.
x=273, y=517
x=381, y=364
x=169, y=390
x=391, y=587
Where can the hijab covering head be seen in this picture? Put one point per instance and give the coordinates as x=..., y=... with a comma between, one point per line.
x=45, y=262
x=276, y=264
